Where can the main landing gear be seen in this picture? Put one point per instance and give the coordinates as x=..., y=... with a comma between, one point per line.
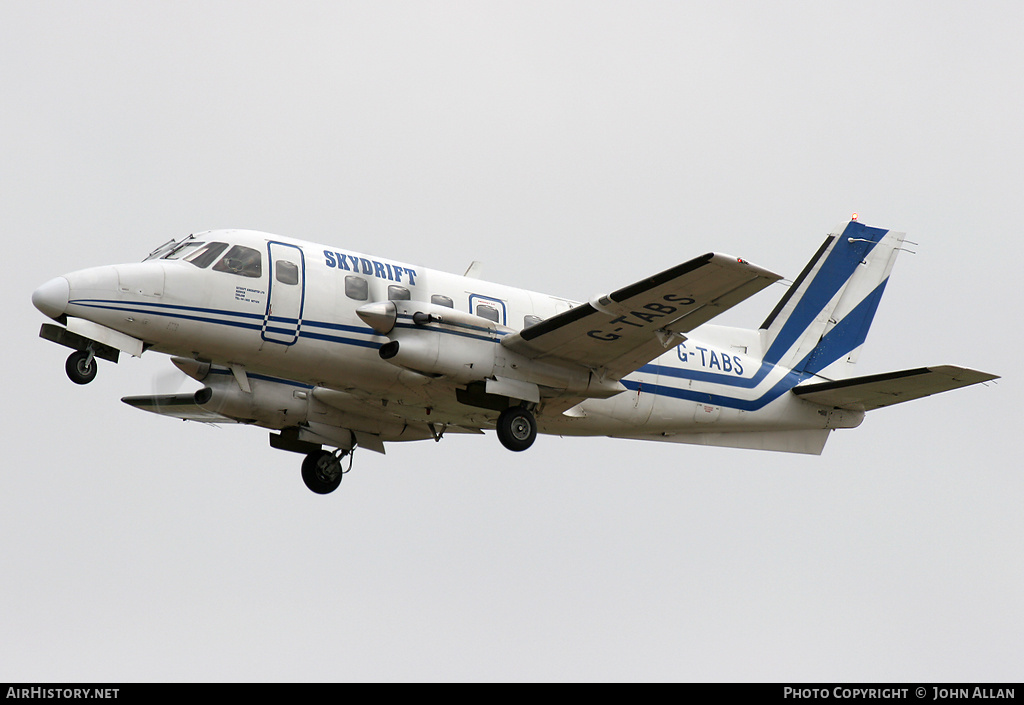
x=322, y=470
x=517, y=428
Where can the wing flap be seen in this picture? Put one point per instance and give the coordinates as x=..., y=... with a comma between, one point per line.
x=875, y=391
x=179, y=406
x=635, y=324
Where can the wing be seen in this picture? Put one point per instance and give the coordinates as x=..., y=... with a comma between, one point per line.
x=876, y=391
x=624, y=330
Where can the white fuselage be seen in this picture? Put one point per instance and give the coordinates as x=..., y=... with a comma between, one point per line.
x=295, y=319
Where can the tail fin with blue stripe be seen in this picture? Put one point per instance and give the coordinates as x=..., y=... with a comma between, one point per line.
x=821, y=323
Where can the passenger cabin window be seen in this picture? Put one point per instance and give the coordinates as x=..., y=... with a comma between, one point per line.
x=531, y=321
x=287, y=272
x=441, y=300
x=243, y=261
x=356, y=288
x=205, y=256
x=398, y=293
x=488, y=312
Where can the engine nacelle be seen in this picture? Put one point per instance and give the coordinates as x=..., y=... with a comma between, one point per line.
x=271, y=404
x=434, y=353
x=439, y=341
x=436, y=340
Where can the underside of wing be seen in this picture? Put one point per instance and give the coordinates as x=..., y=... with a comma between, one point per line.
x=876, y=391
x=179, y=406
x=626, y=329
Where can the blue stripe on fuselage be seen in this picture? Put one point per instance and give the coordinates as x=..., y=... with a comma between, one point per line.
x=835, y=271
x=845, y=337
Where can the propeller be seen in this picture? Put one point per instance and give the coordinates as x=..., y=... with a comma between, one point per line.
x=168, y=381
x=175, y=380
x=170, y=387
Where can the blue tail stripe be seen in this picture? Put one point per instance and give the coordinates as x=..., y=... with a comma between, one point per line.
x=840, y=264
x=845, y=337
x=837, y=269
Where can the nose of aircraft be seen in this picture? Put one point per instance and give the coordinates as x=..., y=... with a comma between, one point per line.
x=52, y=297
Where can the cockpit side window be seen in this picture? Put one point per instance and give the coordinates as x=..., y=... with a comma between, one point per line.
x=204, y=256
x=243, y=261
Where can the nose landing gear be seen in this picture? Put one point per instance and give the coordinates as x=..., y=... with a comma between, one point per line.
x=81, y=366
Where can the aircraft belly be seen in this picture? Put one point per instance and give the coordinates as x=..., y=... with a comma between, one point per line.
x=665, y=414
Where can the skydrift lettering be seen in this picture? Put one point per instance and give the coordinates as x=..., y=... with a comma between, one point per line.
x=369, y=267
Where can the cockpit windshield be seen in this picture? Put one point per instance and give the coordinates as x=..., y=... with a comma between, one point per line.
x=181, y=251
x=174, y=249
x=239, y=260
x=201, y=254
x=204, y=256
x=165, y=248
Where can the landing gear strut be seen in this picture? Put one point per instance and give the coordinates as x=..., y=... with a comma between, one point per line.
x=81, y=367
x=517, y=428
x=322, y=471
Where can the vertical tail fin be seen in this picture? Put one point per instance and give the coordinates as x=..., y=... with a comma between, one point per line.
x=820, y=324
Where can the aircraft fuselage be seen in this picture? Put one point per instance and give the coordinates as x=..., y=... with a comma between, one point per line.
x=294, y=318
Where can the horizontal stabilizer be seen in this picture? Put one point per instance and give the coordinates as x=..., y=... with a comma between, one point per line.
x=179, y=406
x=876, y=391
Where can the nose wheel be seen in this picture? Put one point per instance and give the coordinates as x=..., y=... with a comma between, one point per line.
x=81, y=367
x=517, y=428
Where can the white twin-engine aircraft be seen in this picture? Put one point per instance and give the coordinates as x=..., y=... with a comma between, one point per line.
x=332, y=349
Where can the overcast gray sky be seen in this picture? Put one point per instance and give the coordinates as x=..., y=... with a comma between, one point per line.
x=573, y=147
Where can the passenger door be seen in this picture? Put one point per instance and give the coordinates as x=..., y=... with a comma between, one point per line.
x=286, y=295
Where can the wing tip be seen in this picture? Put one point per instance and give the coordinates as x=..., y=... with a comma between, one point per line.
x=727, y=260
x=960, y=373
